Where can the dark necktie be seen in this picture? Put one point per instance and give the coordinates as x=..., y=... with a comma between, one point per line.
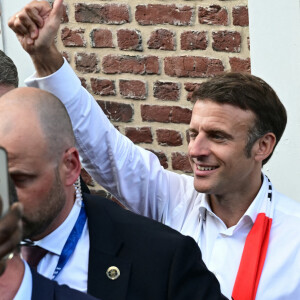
x=33, y=254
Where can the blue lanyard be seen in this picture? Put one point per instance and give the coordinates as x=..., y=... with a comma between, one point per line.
x=71, y=242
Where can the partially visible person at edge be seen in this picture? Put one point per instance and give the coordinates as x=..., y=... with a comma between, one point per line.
x=246, y=230
x=17, y=280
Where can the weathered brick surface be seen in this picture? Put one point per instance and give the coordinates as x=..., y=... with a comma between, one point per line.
x=213, y=15
x=118, y=112
x=141, y=56
x=130, y=64
x=162, y=158
x=86, y=63
x=240, y=65
x=192, y=66
x=102, y=38
x=166, y=137
x=240, y=16
x=165, y=114
x=73, y=38
x=228, y=41
x=162, y=39
x=193, y=40
x=139, y=135
x=133, y=89
x=166, y=90
x=103, y=87
x=181, y=162
x=129, y=39
x=102, y=14
x=153, y=14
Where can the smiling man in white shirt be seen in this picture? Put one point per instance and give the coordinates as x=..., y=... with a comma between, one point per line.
x=247, y=232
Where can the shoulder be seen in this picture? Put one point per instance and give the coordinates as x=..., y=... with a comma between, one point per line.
x=134, y=226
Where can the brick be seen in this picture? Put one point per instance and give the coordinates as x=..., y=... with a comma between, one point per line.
x=118, y=112
x=240, y=16
x=65, y=16
x=86, y=63
x=162, y=39
x=240, y=65
x=66, y=55
x=113, y=64
x=153, y=14
x=73, y=38
x=103, y=87
x=156, y=113
x=83, y=82
x=162, y=158
x=102, y=14
x=133, y=89
x=166, y=90
x=129, y=39
x=190, y=88
x=192, y=66
x=193, y=40
x=166, y=137
x=165, y=114
x=181, y=115
x=139, y=135
x=180, y=161
x=213, y=15
x=102, y=38
x=227, y=41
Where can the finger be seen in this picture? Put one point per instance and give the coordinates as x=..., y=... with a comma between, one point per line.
x=10, y=245
x=15, y=24
x=10, y=222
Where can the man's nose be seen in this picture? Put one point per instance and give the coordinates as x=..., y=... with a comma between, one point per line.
x=200, y=146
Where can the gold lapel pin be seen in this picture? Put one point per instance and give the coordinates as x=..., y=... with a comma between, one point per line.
x=113, y=273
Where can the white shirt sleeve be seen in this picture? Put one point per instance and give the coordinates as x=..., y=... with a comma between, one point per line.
x=25, y=289
x=133, y=175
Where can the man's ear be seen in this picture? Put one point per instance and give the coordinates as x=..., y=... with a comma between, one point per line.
x=71, y=166
x=264, y=146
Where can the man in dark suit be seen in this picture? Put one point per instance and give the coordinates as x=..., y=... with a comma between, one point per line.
x=114, y=254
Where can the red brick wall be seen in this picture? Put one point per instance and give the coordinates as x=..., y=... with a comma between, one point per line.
x=142, y=60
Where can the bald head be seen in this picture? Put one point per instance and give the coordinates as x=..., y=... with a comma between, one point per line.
x=29, y=111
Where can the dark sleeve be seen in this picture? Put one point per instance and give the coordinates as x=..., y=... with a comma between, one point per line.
x=46, y=289
x=189, y=277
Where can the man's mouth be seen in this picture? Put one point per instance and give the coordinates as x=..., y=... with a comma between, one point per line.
x=205, y=168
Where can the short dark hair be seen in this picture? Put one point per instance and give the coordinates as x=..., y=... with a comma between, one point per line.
x=247, y=92
x=8, y=71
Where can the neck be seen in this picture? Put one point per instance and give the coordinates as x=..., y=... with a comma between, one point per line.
x=232, y=206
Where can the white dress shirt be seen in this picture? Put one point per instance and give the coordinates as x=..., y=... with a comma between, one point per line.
x=136, y=178
x=75, y=272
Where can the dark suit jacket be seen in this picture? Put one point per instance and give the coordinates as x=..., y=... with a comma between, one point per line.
x=46, y=289
x=155, y=261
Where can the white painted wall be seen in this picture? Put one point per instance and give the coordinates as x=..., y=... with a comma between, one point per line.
x=275, y=57
x=9, y=43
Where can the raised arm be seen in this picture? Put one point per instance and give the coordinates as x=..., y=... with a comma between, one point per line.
x=130, y=173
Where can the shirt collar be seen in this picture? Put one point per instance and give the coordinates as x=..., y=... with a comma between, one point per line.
x=252, y=211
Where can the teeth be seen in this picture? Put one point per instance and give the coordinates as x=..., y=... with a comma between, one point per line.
x=205, y=168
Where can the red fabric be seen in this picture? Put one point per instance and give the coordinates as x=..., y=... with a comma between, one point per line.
x=253, y=258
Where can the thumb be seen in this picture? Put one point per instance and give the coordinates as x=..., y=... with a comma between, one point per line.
x=57, y=10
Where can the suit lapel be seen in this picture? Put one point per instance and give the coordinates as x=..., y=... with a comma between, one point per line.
x=105, y=245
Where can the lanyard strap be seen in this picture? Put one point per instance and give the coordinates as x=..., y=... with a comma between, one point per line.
x=71, y=242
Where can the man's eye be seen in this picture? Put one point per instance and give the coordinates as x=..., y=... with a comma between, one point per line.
x=192, y=135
